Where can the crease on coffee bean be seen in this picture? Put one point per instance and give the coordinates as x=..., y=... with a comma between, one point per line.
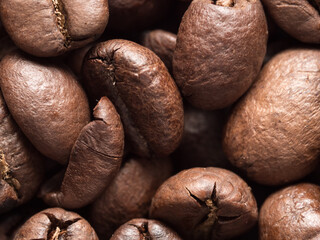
x=58, y=227
x=61, y=21
x=118, y=102
x=99, y=153
x=224, y=3
x=6, y=174
x=143, y=231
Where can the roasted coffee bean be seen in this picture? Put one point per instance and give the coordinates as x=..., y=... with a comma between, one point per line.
x=132, y=15
x=201, y=144
x=143, y=229
x=141, y=88
x=205, y=203
x=46, y=101
x=54, y=224
x=51, y=28
x=76, y=57
x=161, y=43
x=299, y=18
x=20, y=164
x=220, y=48
x=273, y=133
x=129, y=196
x=291, y=213
x=94, y=161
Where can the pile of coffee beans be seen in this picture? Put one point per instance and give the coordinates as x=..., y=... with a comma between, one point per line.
x=159, y=119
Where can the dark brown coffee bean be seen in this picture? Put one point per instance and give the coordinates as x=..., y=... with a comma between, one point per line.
x=205, y=203
x=56, y=224
x=46, y=101
x=273, y=133
x=94, y=161
x=144, y=229
x=20, y=164
x=132, y=15
x=141, y=88
x=299, y=18
x=76, y=57
x=219, y=52
x=161, y=43
x=51, y=28
x=291, y=213
x=201, y=144
x=129, y=195
x=6, y=46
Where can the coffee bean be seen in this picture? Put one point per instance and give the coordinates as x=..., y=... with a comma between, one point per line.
x=141, y=88
x=51, y=28
x=143, y=229
x=273, y=133
x=205, y=203
x=94, y=161
x=219, y=52
x=129, y=195
x=291, y=213
x=21, y=165
x=54, y=224
x=46, y=101
x=161, y=43
x=300, y=19
x=201, y=144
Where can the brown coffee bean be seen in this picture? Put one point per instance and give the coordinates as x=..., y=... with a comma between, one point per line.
x=94, y=161
x=201, y=144
x=205, y=203
x=141, y=88
x=273, y=133
x=132, y=15
x=299, y=18
x=51, y=28
x=143, y=229
x=129, y=195
x=20, y=164
x=46, y=101
x=161, y=43
x=291, y=213
x=76, y=57
x=219, y=52
x=54, y=224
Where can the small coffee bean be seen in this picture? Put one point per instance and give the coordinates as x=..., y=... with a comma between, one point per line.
x=205, y=203
x=94, y=161
x=291, y=213
x=299, y=18
x=54, y=224
x=129, y=195
x=161, y=43
x=219, y=52
x=46, y=101
x=51, y=28
x=143, y=229
x=141, y=88
x=21, y=167
x=273, y=133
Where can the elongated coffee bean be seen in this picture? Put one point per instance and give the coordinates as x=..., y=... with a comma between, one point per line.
x=205, y=203
x=220, y=48
x=46, y=101
x=54, y=224
x=20, y=164
x=273, y=134
x=51, y=28
x=299, y=18
x=141, y=88
x=94, y=161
